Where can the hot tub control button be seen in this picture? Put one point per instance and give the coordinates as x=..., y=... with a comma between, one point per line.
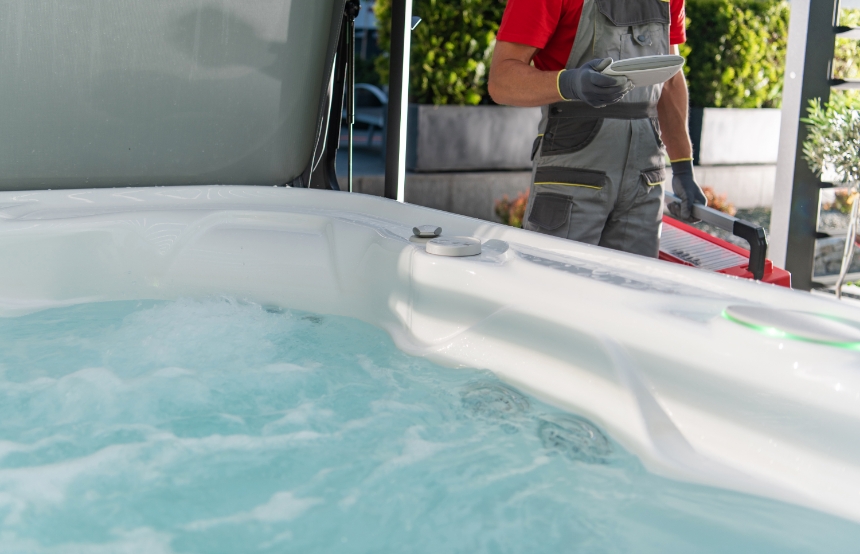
x=454, y=246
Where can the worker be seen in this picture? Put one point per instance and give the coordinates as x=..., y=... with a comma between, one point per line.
x=599, y=158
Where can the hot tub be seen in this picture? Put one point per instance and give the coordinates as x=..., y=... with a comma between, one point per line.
x=180, y=140
x=650, y=351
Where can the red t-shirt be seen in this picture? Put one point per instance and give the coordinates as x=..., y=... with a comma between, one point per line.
x=550, y=26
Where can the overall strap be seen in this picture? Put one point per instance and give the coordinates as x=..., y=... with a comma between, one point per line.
x=583, y=49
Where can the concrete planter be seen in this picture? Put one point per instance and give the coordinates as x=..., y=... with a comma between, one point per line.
x=725, y=136
x=470, y=138
x=490, y=138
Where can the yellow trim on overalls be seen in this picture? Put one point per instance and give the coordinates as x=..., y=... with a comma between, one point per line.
x=570, y=185
x=650, y=184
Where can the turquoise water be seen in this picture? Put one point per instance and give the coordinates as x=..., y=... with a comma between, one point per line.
x=220, y=426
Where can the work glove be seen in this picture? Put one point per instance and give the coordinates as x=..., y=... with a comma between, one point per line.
x=586, y=83
x=685, y=187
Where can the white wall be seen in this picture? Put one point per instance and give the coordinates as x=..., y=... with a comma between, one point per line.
x=738, y=136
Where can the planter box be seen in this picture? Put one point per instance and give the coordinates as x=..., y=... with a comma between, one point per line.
x=492, y=138
x=470, y=138
x=725, y=136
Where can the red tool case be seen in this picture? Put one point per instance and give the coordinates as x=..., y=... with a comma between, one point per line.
x=683, y=244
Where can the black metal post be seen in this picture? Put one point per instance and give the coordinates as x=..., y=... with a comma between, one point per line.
x=808, y=76
x=398, y=85
x=353, y=7
x=324, y=175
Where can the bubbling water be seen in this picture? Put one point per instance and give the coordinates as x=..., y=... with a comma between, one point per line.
x=221, y=426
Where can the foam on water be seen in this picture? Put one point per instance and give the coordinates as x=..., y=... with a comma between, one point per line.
x=220, y=426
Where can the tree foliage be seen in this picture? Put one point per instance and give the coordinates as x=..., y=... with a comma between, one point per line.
x=736, y=52
x=451, y=49
x=833, y=138
x=847, y=62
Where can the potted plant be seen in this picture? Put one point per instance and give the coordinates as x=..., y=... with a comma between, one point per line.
x=833, y=146
x=452, y=123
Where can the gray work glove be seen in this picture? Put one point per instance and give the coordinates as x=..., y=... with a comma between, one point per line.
x=586, y=83
x=685, y=187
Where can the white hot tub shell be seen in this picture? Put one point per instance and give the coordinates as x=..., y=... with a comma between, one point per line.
x=641, y=347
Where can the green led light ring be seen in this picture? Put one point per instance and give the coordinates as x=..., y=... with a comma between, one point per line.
x=780, y=334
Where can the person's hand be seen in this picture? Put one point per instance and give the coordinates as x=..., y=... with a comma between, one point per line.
x=586, y=83
x=685, y=187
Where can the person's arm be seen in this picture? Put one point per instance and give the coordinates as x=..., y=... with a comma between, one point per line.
x=515, y=82
x=673, y=112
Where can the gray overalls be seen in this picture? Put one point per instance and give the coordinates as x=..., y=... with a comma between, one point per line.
x=597, y=171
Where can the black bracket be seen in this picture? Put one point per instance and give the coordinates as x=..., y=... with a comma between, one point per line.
x=352, y=8
x=342, y=93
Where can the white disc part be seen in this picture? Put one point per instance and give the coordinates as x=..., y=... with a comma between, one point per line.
x=801, y=325
x=454, y=246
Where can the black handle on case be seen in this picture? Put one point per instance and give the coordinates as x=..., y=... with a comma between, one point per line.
x=754, y=234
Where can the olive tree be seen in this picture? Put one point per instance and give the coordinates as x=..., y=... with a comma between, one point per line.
x=833, y=146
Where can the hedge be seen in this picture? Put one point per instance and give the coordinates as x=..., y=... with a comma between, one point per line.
x=847, y=63
x=451, y=49
x=735, y=50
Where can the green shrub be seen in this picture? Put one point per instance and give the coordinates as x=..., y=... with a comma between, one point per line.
x=735, y=52
x=451, y=49
x=833, y=140
x=845, y=66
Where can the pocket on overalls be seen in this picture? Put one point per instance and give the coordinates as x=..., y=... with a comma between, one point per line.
x=624, y=13
x=569, y=135
x=558, y=190
x=570, y=177
x=650, y=188
x=550, y=211
x=644, y=21
x=640, y=42
x=649, y=198
x=654, y=177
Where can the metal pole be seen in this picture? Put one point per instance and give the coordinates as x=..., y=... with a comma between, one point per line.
x=350, y=94
x=398, y=99
x=794, y=223
x=352, y=9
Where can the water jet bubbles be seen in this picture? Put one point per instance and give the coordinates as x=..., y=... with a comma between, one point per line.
x=494, y=401
x=575, y=438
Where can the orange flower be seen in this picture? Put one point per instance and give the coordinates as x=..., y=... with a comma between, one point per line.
x=512, y=212
x=719, y=202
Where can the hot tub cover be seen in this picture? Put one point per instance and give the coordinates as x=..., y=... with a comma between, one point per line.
x=105, y=93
